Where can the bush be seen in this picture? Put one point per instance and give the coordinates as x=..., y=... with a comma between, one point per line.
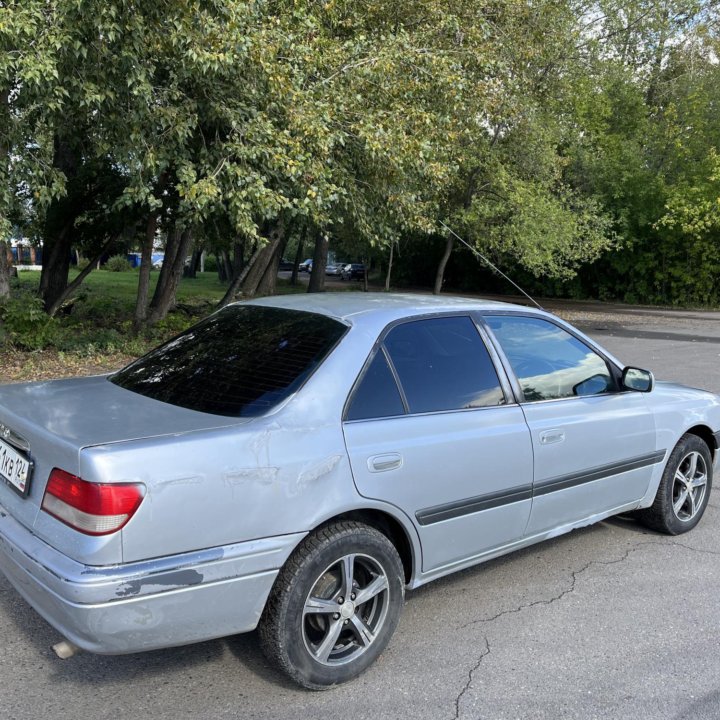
x=118, y=263
x=25, y=323
x=211, y=263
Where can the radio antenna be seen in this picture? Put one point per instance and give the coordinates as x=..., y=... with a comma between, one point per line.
x=495, y=268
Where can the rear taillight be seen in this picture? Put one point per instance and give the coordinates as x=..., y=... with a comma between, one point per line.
x=91, y=508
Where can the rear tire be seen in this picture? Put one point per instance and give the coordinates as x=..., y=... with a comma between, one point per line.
x=684, y=489
x=334, y=605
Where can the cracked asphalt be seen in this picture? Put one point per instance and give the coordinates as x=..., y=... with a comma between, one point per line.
x=611, y=621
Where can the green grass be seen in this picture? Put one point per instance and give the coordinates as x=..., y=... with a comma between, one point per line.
x=94, y=331
x=122, y=286
x=98, y=318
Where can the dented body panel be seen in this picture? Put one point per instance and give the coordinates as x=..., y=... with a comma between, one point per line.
x=145, y=605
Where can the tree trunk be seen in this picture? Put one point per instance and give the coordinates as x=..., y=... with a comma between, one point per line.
x=232, y=291
x=268, y=283
x=254, y=278
x=56, y=265
x=172, y=245
x=238, y=262
x=441, y=267
x=4, y=154
x=194, y=262
x=59, y=223
x=223, y=266
x=317, y=276
x=145, y=267
x=298, y=258
x=389, y=270
x=75, y=284
x=170, y=274
x=4, y=270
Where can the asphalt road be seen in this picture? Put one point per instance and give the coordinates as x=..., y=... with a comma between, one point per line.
x=611, y=621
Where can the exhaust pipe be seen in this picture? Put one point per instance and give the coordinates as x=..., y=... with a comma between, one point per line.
x=65, y=649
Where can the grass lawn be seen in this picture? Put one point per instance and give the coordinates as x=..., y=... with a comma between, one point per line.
x=95, y=336
x=122, y=286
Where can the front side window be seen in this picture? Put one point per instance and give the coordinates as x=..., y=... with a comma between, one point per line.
x=549, y=362
x=239, y=362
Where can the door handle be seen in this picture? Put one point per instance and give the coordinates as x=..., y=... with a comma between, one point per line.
x=548, y=437
x=383, y=463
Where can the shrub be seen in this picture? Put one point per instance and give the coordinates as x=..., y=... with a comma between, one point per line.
x=25, y=322
x=118, y=263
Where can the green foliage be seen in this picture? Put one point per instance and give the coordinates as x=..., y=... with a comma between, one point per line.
x=118, y=263
x=561, y=136
x=100, y=318
x=24, y=322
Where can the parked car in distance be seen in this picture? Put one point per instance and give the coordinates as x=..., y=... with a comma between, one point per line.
x=286, y=265
x=297, y=462
x=353, y=271
x=335, y=268
x=306, y=265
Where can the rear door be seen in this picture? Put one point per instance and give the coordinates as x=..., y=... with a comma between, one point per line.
x=594, y=446
x=431, y=428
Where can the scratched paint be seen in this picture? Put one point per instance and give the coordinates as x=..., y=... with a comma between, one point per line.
x=184, y=480
x=257, y=475
x=178, y=579
x=312, y=474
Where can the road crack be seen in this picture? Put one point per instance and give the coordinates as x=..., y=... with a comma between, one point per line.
x=574, y=575
x=471, y=673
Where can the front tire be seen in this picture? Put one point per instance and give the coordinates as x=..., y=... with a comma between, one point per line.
x=684, y=489
x=334, y=605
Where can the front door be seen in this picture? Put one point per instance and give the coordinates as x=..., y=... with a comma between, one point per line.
x=594, y=446
x=431, y=429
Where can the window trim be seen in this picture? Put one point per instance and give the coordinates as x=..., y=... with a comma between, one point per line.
x=613, y=369
x=495, y=359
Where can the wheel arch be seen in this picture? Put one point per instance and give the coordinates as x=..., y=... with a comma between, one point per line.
x=389, y=526
x=706, y=435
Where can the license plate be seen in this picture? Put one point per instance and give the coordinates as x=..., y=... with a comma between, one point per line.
x=15, y=468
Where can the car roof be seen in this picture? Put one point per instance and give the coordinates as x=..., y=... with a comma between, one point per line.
x=350, y=306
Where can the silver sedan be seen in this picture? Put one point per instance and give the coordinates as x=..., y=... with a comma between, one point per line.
x=296, y=463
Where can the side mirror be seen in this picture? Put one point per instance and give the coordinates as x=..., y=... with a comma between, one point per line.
x=636, y=379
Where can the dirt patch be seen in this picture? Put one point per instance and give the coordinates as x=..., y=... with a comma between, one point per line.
x=18, y=366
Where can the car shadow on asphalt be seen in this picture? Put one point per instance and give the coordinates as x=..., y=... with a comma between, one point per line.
x=546, y=548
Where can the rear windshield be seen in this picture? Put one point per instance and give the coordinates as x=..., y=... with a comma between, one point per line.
x=239, y=362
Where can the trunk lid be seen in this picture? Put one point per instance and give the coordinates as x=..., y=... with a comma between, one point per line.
x=50, y=422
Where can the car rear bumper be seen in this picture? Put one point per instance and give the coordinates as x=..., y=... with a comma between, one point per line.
x=145, y=605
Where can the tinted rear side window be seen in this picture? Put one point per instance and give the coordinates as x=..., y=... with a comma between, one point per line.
x=443, y=364
x=240, y=362
x=377, y=395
